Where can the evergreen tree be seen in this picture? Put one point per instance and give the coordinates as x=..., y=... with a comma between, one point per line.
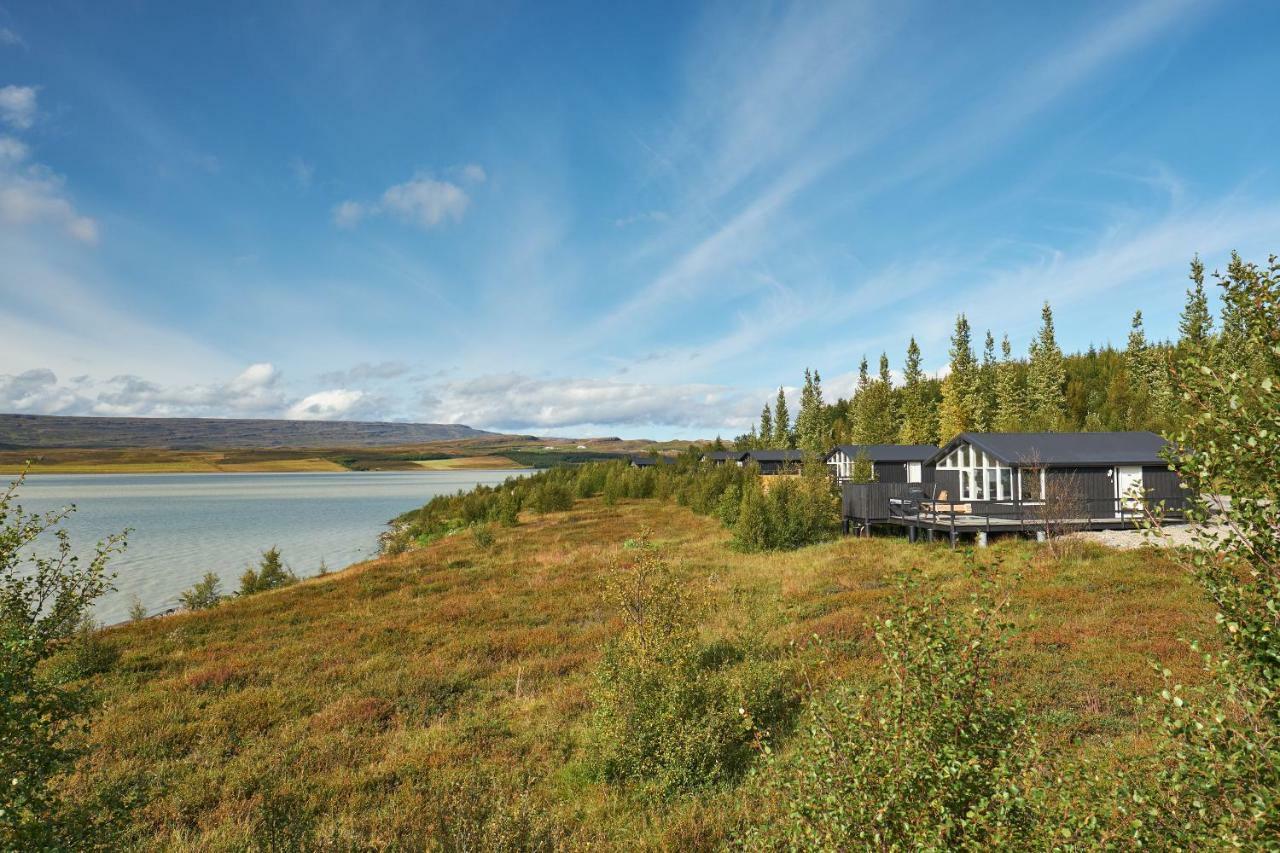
x=872, y=407
x=959, y=389
x=1137, y=375
x=1196, y=324
x=1046, y=379
x=717, y=445
x=891, y=423
x=985, y=401
x=811, y=434
x=919, y=418
x=766, y=424
x=1011, y=392
x=782, y=437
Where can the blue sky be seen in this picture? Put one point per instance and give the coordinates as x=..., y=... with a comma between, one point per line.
x=578, y=219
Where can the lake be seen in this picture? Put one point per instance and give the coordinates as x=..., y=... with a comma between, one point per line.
x=184, y=525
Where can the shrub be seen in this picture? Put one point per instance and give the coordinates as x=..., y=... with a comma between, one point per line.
x=930, y=757
x=552, y=497
x=84, y=653
x=482, y=536
x=136, y=611
x=206, y=593
x=45, y=643
x=670, y=709
x=271, y=574
x=1217, y=782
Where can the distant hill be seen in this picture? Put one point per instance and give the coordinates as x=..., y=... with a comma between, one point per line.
x=21, y=432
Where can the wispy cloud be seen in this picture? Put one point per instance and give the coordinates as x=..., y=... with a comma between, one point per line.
x=18, y=106
x=423, y=201
x=516, y=401
x=10, y=39
x=32, y=193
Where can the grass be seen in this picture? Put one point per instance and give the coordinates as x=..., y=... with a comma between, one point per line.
x=469, y=463
x=448, y=687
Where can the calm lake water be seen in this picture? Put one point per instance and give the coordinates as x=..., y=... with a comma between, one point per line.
x=184, y=525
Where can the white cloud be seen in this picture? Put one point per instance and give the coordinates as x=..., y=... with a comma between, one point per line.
x=366, y=372
x=423, y=201
x=12, y=151
x=515, y=401
x=347, y=214
x=426, y=202
x=256, y=392
x=34, y=193
x=18, y=105
x=472, y=173
x=326, y=405
x=9, y=37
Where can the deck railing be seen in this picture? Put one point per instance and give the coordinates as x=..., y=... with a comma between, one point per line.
x=1080, y=513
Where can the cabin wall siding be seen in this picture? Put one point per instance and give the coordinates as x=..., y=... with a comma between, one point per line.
x=1163, y=484
x=890, y=472
x=948, y=481
x=1096, y=486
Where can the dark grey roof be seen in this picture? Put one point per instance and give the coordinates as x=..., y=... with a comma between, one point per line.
x=774, y=455
x=645, y=460
x=888, y=452
x=724, y=455
x=1065, y=448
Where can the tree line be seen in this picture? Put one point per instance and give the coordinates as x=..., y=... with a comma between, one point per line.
x=1046, y=391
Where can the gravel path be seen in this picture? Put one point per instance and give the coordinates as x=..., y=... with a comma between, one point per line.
x=1174, y=536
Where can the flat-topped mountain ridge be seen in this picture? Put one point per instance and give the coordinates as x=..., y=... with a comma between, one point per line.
x=21, y=432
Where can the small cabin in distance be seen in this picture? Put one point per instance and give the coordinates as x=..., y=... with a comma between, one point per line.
x=723, y=457
x=774, y=461
x=890, y=463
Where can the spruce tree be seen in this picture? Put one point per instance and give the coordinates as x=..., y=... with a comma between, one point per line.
x=959, y=389
x=918, y=417
x=811, y=433
x=1137, y=375
x=1047, y=378
x=985, y=401
x=1011, y=392
x=1196, y=323
x=782, y=437
x=766, y=423
x=891, y=424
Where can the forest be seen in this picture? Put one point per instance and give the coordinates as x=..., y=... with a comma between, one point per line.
x=1045, y=391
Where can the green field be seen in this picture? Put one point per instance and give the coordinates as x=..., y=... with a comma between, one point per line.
x=413, y=700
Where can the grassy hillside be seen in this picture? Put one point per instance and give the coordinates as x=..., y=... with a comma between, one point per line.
x=446, y=691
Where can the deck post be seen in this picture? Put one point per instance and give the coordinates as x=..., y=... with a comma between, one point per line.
x=1039, y=535
x=929, y=533
x=982, y=538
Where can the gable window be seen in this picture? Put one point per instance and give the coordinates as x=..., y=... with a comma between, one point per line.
x=983, y=477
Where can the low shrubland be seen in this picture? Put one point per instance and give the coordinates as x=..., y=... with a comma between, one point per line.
x=764, y=513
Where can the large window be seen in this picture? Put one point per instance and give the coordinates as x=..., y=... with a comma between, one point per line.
x=982, y=476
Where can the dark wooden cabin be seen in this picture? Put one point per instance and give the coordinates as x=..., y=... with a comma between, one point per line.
x=1013, y=482
x=774, y=461
x=890, y=463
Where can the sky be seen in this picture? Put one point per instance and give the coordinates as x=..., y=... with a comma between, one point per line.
x=600, y=219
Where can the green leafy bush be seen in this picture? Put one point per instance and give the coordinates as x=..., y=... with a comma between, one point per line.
x=672, y=710
x=930, y=757
x=46, y=645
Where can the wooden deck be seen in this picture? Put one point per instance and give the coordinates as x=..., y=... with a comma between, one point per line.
x=929, y=518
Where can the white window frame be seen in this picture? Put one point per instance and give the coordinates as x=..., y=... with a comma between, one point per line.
x=973, y=464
